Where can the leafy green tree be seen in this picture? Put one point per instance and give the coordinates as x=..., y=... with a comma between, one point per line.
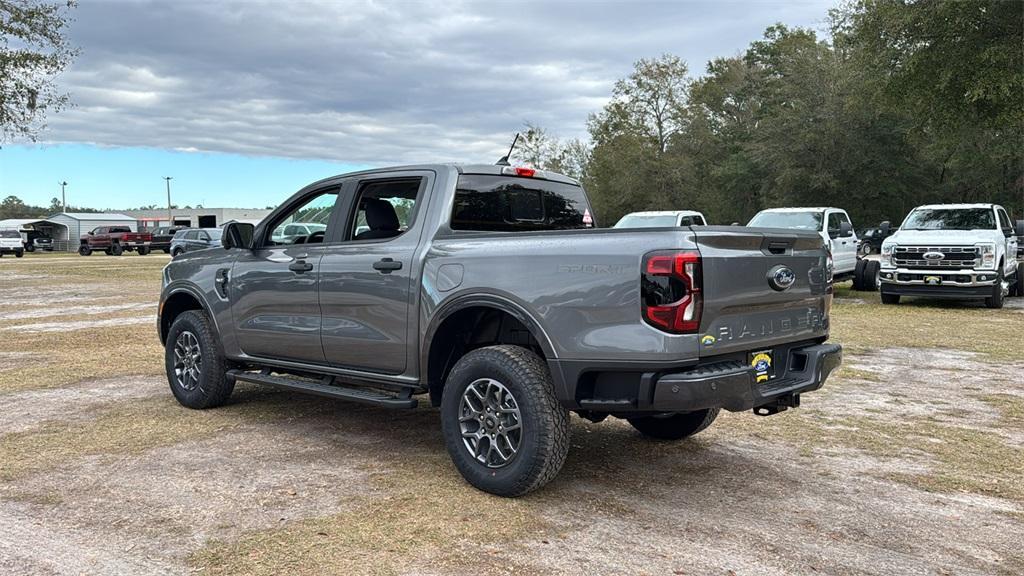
x=33, y=50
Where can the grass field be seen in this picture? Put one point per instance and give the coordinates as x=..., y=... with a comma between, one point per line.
x=910, y=460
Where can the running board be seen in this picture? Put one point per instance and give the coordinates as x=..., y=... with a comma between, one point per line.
x=324, y=388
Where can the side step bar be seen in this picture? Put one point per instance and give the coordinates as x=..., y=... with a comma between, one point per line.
x=324, y=387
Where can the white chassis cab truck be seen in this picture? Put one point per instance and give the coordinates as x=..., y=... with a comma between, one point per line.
x=836, y=230
x=960, y=251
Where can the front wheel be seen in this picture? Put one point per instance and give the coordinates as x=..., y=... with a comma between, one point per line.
x=890, y=298
x=196, y=367
x=503, y=427
x=176, y=252
x=674, y=426
x=19, y=253
x=84, y=250
x=143, y=251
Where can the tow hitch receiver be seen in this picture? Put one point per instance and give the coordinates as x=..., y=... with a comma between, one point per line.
x=780, y=404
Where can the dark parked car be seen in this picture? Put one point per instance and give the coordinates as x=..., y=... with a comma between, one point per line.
x=871, y=239
x=487, y=289
x=163, y=235
x=192, y=239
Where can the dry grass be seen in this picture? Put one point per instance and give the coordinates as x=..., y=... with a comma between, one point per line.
x=921, y=323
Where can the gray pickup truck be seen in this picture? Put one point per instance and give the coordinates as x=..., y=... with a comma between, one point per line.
x=489, y=289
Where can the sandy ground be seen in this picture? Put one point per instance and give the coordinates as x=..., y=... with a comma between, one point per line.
x=111, y=476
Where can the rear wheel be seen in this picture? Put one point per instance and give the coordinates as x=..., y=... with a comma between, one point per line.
x=176, y=252
x=196, y=367
x=872, y=276
x=890, y=298
x=503, y=427
x=84, y=250
x=30, y=248
x=116, y=250
x=674, y=426
x=1018, y=286
x=143, y=250
x=858, y=275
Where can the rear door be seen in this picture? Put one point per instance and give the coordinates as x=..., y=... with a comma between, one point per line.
x=366, y=278
x=761, y=287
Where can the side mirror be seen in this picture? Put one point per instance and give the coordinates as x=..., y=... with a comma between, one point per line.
x=885, y=227
x=845, y=229
x=237, y=235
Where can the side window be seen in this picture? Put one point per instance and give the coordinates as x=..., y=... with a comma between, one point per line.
x=699, y=221
x=384, y=208
x=833, y=222
x=204, y=236
x=1004, y=221
x=191, y=235
x=306, y=223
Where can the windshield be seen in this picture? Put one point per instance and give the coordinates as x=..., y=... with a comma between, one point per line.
x=799, y=220
x=950, y=219
x=646, y=221
x=9, y=234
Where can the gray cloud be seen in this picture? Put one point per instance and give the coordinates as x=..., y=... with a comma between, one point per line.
x=374, y=82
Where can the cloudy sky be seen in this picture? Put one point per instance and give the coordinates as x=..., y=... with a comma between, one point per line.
x=245, y=102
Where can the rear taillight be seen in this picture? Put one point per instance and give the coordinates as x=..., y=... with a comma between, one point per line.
x=671, y=291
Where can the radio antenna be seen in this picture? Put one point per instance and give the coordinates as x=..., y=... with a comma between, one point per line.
x=504, y=159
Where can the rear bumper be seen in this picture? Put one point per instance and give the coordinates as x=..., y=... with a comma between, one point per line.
x=729, y=384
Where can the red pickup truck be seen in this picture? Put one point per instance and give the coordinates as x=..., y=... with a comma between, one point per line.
x=115, y=240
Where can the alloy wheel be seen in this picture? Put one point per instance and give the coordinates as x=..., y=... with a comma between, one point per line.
x=490, y=422
x=188, y=360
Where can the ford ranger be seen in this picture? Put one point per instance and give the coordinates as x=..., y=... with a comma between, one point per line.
x=962, y=251
x=488, y=289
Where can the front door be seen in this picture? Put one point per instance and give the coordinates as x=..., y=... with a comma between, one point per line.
x=274, y=287
x=366, y=280
x=844, y=249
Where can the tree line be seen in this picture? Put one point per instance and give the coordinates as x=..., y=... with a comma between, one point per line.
x=905, y=103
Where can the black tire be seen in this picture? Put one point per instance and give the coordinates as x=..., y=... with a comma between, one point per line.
x=858, y=275
x=84, y=250
x=167, y=250
x=116, y=250
x=872, y=271
x=890, y=298
x=19, y=253
x=543, y=422
x=674, y=426
x=211, y=387
x=176, y=252
x=143, y=250
x=30, y=248
x=865, y=249
x=995, y=301
x=1017, y=289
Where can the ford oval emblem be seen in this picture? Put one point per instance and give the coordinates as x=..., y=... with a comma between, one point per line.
x=934, y=255
x=781, y=278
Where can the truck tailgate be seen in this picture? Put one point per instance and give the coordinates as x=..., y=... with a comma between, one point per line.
x=761, y=287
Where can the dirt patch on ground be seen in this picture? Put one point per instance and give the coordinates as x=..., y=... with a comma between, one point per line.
x=80, y=324
x=95, y=308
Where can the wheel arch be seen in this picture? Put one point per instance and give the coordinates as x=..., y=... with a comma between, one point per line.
x=471, y=322
x=178, y=301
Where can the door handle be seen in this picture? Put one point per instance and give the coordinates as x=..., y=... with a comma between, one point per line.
x=387, y=265
x=300, y=266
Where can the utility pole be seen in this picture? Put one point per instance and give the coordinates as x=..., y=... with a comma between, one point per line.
x=63, y=199
x=170, y=217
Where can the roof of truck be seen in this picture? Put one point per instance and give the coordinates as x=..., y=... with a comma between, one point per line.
x=955, y=206
x=460, y=167
x=666, y=213
x=803, y=209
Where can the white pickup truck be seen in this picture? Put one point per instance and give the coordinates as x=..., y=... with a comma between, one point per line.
x=832, y=224
x=961, y=251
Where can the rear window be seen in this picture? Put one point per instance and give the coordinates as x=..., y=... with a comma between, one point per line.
x=798, y=220
x=513, y=204
x=114, y=229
